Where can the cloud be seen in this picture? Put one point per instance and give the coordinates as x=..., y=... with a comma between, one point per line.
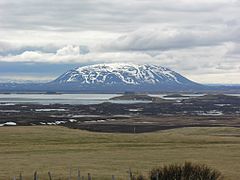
x=68, y=50
x=193, y=63
x=199, y=37
x=72, y=50
x=4, y=46
x=196, y=59
x=27, y=77
x=103, y=14
x=75, y=54
x=162, y=39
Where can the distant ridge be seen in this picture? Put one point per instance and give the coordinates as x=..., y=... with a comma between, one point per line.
x=117, y=78
x=124, y=76
x=123, y=73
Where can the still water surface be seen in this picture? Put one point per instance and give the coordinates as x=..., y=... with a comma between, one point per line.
x=72, y=98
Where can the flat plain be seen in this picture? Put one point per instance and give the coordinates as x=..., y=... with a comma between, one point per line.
x=56, y=149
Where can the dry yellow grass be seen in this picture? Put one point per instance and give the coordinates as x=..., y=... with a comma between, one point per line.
x=55, y=149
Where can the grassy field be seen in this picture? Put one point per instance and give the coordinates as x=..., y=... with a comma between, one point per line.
x=55, y=149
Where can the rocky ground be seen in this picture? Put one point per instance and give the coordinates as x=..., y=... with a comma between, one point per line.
x=206, y=111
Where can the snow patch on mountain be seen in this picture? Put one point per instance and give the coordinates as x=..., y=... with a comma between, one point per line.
x=121, y=73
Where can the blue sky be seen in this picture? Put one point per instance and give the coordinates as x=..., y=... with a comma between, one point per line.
x=42, y=39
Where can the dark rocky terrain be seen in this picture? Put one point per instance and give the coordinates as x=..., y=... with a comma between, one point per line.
x=206, y=111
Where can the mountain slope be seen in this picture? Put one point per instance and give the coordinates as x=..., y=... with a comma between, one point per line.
x=114, y=78
x=130, y=74
x=124, y=77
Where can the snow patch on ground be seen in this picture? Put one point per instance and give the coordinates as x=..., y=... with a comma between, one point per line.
x=7, y=104
x=210, y=113
x=10, y=111
x=72, y=120
x=222, y=105
x=96, y=121
x=8, y=124
x=135, y=110
x=49, y=110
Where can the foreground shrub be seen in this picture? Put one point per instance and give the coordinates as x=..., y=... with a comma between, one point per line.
x=187, y=171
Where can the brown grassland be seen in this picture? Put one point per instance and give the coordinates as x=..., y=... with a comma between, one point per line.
x=56, y=149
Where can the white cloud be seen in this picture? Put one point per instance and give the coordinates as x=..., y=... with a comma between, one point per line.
x=68, y=50
x=72, y=54
x=23, y=78
x=197, y=63
x=194, y=37
x=154, y=38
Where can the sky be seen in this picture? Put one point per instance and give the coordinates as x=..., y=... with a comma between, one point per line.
x=40, y=40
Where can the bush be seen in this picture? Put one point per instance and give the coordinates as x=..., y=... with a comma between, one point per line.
x=187, y=171
x=140, y=177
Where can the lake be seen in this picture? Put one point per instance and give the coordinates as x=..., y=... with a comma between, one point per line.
x=59, y=99
x=72, y=98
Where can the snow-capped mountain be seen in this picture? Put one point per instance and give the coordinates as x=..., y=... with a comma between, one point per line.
x=121, y=73
x=123, y=77
x=116, y=78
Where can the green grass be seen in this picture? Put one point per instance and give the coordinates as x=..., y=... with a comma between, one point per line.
x=55, y=149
